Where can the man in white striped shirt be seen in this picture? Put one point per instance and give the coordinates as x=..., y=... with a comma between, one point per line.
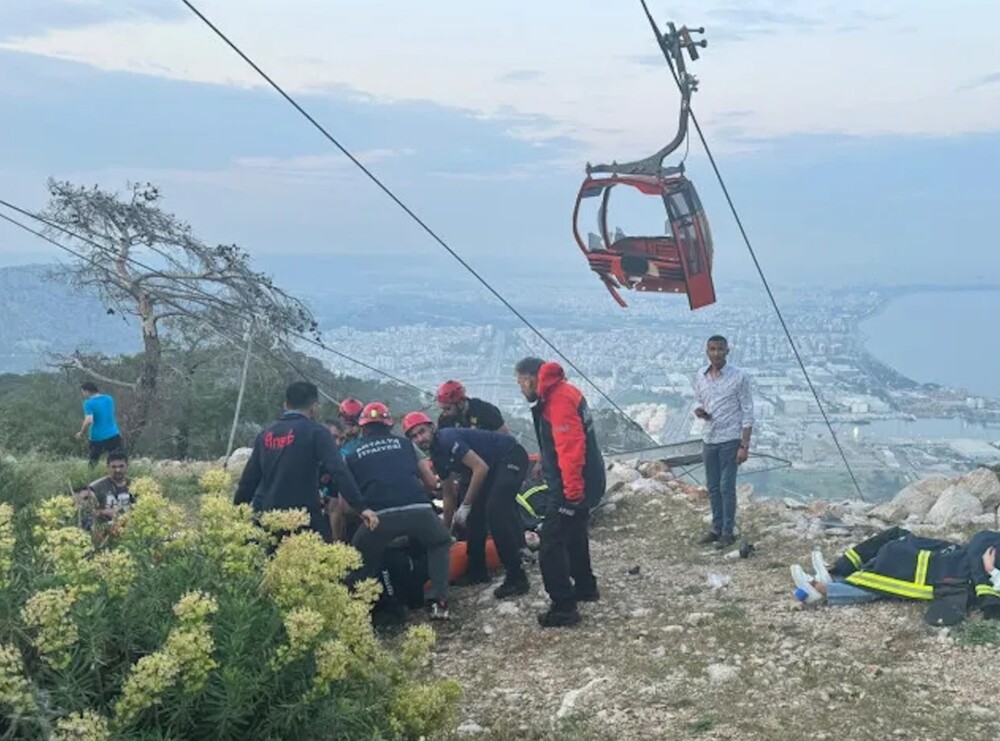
x=725, y=403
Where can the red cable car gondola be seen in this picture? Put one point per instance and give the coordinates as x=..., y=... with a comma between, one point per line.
x=679, y=260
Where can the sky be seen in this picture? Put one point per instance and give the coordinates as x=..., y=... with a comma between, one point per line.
x=859, y=140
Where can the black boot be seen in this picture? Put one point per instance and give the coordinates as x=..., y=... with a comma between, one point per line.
x=559, y=616
x=514, y=585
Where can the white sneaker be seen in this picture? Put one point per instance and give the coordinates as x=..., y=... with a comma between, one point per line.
x=819, y=566
x=804, y=582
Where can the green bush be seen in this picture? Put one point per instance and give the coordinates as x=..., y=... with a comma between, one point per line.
x=195, y=624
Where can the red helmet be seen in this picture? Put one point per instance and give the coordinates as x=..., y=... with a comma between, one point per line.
x=351, y=409
x=376, y=412
x=415, y=419
x=450, y=392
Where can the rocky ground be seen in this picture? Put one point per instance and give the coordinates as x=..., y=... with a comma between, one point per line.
x=691, y=643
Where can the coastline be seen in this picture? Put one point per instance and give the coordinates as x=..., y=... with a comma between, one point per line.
x=886, y=298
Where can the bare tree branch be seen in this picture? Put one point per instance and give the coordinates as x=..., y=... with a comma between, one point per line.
x=74, y=362
x=144, y=262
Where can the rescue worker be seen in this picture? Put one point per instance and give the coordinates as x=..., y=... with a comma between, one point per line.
x=897, y=563
x=495, y=464
x=284, y=468
x=458, y=410
x=385, y=467
x=534, y=495
x=574, y=472
x=349, y=412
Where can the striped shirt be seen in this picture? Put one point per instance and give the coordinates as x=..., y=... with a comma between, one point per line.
x=728, y=399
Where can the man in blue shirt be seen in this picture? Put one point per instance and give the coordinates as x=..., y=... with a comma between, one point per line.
x=99, y=418
x=494, y=464
x=385, y=468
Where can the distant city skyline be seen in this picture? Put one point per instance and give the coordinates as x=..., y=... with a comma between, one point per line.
x=855, y=141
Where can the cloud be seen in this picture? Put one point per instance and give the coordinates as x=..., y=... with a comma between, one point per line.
x=991, y=79
x=522, y=75
x=18, y=17
x=591, y=88
x=764, y=19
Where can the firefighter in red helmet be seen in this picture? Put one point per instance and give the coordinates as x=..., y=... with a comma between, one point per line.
x=494, y=464
x=458, y=410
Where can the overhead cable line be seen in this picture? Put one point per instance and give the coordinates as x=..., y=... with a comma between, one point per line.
x=409, y=212
x=746, y=239
x=216, y=300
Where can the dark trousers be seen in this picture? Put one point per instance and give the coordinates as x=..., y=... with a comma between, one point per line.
x=420, y=524
x=320, y=522
x=564, y=552
x=720, y=477
x=100, y=447
x=495, y=510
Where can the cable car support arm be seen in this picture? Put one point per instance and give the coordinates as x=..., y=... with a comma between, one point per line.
x=673, y=44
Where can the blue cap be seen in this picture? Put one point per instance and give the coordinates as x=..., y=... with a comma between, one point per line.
x=801, y=595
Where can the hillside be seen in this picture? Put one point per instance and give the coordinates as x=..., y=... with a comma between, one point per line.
x=689, y=643
x=664, y=655
x=43, y=316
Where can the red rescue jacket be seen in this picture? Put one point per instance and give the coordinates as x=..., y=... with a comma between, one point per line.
x=571, y=458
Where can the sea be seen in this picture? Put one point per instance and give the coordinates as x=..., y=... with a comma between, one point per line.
x=950, y=338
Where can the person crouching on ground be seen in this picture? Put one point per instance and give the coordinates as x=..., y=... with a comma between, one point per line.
x=385, y=467
x=574, y=472
x=494, y=464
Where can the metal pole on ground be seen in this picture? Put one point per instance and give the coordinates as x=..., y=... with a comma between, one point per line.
x=239, y=396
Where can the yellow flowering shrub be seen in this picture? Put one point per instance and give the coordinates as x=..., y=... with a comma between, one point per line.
x=65, y=553
x=153, y=521
x=333, y=661
x=145, y=486
x=185, y=659
x=16, y=697
x=216, y=481
x=419, y=709
x=83, y=726
x=280, y=521
x=7, y=543
x=47, y=616
x=117, y=570
x=417, y=645
x=229, y=537
x=306, y=572
x=194, y=607
x=190, y=617
x=149, y=679
x=303, y=626
x=55, y=512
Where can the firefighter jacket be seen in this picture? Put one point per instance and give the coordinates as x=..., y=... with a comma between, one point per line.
x=911, y=567
x=855, y=557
